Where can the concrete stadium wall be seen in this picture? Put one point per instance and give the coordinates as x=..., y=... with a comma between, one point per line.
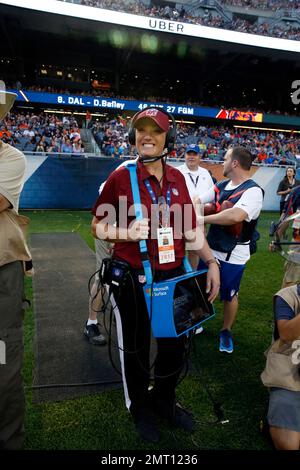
x=73, y=182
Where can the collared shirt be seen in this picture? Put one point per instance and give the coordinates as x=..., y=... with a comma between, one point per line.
x=12, y=169
x=182, y=215
x=198, y=182
x=13, y=245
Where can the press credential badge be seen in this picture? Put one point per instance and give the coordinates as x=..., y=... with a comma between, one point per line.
x=165, y=245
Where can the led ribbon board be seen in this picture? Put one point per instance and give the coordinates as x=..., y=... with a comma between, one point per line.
x=89, y=102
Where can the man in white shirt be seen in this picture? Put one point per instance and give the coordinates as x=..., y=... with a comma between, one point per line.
x=198, y=180
x=232, y=229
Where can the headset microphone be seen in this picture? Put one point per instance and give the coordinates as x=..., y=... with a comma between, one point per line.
x=153, y=159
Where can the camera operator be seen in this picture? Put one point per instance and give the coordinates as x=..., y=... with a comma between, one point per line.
x=282, y=372
x=13, y=250
x=153, y=136
x=291, y=274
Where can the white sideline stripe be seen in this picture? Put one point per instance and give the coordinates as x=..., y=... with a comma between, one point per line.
x=155, y=24
x=121, y=347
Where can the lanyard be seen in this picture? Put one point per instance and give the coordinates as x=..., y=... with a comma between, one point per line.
x=193, y=181
x=158, y=201
x=131, y=167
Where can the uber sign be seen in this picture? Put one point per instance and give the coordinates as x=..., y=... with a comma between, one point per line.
x=163, y=25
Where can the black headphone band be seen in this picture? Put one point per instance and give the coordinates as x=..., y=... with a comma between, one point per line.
x=171, y=134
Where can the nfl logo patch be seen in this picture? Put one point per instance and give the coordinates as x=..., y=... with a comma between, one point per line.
x=175, y=192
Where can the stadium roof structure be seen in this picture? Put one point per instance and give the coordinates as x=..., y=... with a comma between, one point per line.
x=139, y=62
x=155, y=24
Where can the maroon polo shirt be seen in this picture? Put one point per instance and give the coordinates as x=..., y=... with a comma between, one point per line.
x=118, y=195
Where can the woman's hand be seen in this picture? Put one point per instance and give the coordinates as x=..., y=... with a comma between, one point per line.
x=139, y=230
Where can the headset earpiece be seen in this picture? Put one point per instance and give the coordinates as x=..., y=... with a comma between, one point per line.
x=131, y=135
x=171, y=134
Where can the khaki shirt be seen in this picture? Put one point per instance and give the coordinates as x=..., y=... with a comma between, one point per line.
x=282, y=370
x=12, y=170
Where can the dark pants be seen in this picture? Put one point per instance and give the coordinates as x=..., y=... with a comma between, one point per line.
x=282, y=203
x=12, y=401
x=134, y=333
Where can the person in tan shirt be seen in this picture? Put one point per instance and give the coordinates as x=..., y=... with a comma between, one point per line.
x=13, y=252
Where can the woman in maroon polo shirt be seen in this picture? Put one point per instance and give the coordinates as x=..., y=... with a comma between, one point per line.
x=158, y=183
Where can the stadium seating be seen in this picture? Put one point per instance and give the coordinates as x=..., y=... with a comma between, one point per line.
x=283, y=18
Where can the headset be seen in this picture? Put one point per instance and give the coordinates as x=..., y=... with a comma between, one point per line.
x=171, y=134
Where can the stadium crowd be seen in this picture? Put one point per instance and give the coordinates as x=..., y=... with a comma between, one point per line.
x=40, y=132
x=207, y=18
x=32, y=132
x=266, y=147
x=264, y=4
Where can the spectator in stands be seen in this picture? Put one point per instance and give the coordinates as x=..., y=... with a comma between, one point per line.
x=282, y=371
x=54, y=146
x=67, y=146
x=286, y=185
x=270, y=160
x=41, y=146
x=262, y=155
x=78, y=147
x=88, y=119
x=211, y=18
x=283, y=160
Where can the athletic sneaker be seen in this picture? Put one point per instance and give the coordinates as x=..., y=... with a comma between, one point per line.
x=93, y=334
x=226, y=342
x=199, y=330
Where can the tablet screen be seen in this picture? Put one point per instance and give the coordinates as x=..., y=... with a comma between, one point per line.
x=190, y=304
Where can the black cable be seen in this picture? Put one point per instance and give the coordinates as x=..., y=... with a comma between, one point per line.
x=103, y=309
x=110, y=343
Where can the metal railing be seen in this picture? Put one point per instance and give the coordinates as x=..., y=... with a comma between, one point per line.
x=62, y=154
x=212, y=161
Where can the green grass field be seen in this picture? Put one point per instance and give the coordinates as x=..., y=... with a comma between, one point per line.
x=101, y=421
